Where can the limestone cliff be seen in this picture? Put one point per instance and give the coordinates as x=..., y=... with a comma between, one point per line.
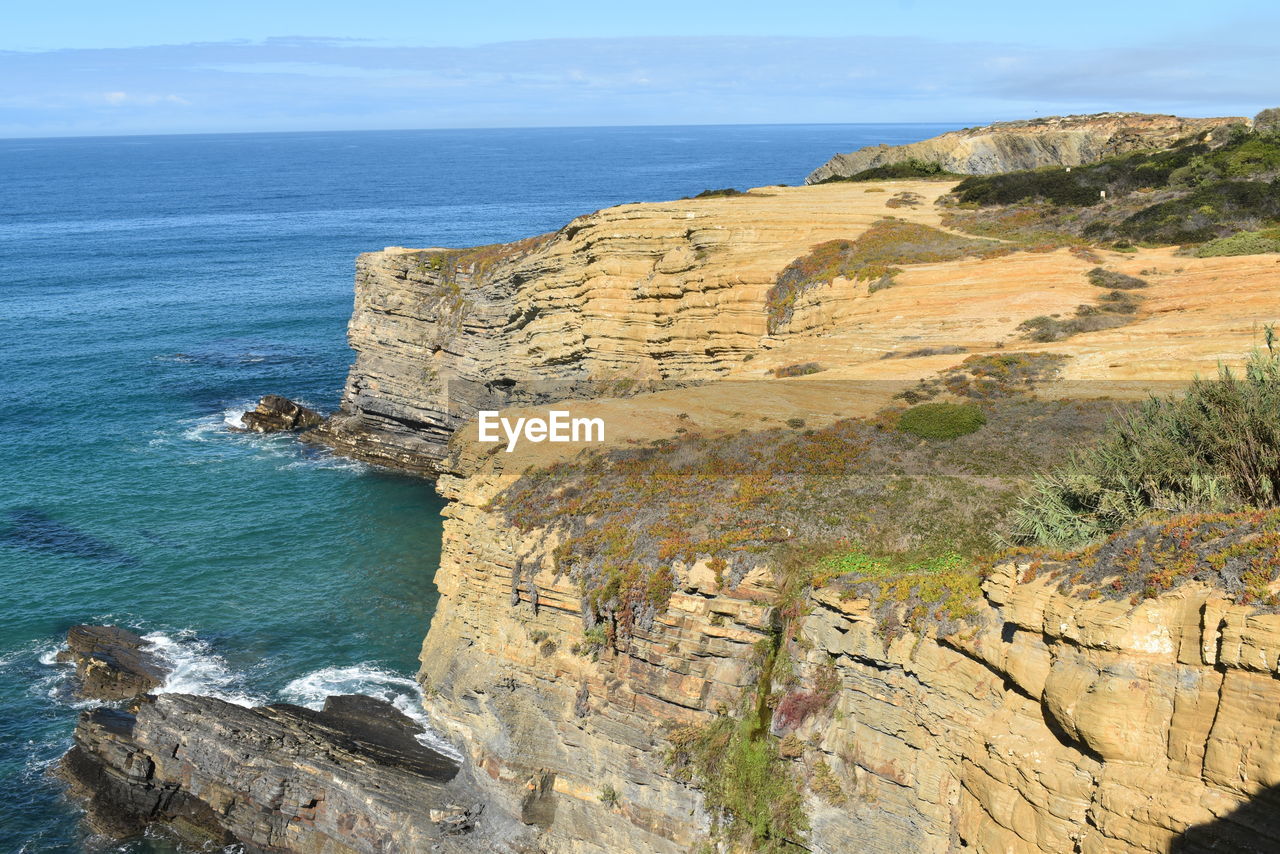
x=1028, y=144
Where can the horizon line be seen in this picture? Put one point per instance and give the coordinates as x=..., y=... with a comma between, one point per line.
x=484, y=128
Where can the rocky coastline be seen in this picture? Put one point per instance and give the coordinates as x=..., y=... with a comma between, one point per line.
x=1029, y=712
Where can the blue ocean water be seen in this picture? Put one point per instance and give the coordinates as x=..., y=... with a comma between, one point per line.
x=153, y=287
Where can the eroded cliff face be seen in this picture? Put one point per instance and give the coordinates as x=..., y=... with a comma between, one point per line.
x=1029, y=144
x=676, y=294
x=1050, y=722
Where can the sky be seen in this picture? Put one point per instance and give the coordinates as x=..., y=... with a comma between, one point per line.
x=75, y=68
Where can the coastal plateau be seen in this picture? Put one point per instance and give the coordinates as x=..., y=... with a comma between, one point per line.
x=683, y=638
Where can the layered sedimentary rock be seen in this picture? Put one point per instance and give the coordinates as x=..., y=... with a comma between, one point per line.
x=1054, y=723
x=1051, y=722
x=112, y=663
x=676, y=294
x=1028, y=144
x=350, y=778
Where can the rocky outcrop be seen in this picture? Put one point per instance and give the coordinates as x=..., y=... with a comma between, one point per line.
x=1052, y=722
x=1029, y=144
x=112, y=663
x=276, y=414
x=633, y=297
x=1009, y=737
x=676, y=294
x=350, y=778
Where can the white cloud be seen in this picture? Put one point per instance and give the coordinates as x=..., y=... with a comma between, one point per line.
x=123, y=99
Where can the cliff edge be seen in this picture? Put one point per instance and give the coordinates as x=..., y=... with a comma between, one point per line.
x=1027, y=144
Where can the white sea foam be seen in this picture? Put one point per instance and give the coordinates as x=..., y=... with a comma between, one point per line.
x=196, y=669
x=402, y=692
x=234, y=417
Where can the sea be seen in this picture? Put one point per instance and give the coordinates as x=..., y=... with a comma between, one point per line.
x=151, y=289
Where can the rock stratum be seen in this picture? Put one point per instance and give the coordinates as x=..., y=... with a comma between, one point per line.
x=1056, y=724
x=350, y=778
x=112, y=663
x=1047, y=722
x=1028, y=144
x=1053, y=723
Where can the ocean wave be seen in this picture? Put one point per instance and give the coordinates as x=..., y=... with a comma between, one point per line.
x=196, y=669
x=402, y=692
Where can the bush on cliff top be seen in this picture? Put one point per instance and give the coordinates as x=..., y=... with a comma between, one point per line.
x=942, y=420
x=1215, y=448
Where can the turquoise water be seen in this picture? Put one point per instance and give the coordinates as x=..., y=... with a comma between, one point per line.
x=153, y=287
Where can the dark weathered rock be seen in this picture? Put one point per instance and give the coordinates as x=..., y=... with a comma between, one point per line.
x=276, y=414
x=281, y=778
x=112, y=663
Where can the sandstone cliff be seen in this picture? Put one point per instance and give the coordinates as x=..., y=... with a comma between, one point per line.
x=1051, y=722
x=1028, y=144
x=1046, y=722
x=677, y=294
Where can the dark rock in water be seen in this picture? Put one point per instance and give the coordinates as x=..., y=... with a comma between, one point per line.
x=112, y=663
x=350, y=778
x=277, y=414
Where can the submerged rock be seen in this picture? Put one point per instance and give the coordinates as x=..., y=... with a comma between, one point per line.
x=350, y=778
x=112, y=663
x=276, y=414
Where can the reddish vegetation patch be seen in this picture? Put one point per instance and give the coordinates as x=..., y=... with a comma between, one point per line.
x=1238, y=553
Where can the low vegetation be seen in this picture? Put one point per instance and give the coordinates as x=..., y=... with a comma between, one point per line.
x=904, y=199
x=876, y=254
x=1214, y=449
x=910, y=168
x=942, y=420
x=1103, y=278
x=1204, y=188
x=1243, y=243
x=1113, y=309
x=725, y=193
x=1237, y=553
x=751, y=792
x=800, y=369
x=990, y=376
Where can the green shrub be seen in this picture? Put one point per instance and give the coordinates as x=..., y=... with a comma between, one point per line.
x=1111, y=279
x=1267, y=121
x=1242, y=243
x=727, y=192
x=942, y=420
x=1210, y=211
x=910, y=168
x=1197, y=190
x=751, y=793
x=1216, y=448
